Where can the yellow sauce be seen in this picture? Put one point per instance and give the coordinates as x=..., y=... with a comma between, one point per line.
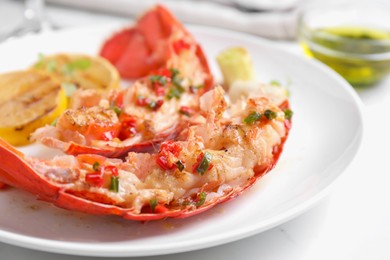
x=359, y=54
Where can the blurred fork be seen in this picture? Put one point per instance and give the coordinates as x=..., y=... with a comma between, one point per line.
x=34, y=20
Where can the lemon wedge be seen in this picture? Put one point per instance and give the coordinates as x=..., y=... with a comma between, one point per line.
x=235, y=63
x=80, y=71
x=29, y=99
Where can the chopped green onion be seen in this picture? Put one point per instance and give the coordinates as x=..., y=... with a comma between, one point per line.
x=158, y=78
x=69, y=88
x=252, y=118
x=117, y=110
x=202, y=199
x=288, y=113
x=177, y=82
x=204, y=163
x=96, y=166
x=269, y=114
x=175, y=92
x=153, y=204
x=114, y=184
x=180, y=165
x=174, y=72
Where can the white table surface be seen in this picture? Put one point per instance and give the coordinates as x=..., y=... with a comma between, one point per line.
x=352, y=222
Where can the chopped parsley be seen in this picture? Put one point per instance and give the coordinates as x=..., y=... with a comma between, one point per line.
x=175, y=92
x=202, y=199
x=96, y=166
x=269, y=114
x=158, y=79
x=153, y=204
x=174, y=72
x=288, y=113
x=252, y=118
x=180, y=165
x=117, y=110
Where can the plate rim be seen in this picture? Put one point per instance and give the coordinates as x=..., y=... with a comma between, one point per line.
x=91, y=249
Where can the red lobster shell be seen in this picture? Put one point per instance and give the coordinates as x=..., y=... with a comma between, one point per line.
x=139, y=51
x=135, y=52
x=16, y=171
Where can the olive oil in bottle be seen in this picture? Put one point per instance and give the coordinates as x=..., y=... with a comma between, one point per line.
x=360, y=54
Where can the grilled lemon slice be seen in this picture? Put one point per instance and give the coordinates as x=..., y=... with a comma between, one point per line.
x=28, y=99
x=80, y=71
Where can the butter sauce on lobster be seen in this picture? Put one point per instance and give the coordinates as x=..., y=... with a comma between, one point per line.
x=209, y=163
x=170, y=145
x=171, y=74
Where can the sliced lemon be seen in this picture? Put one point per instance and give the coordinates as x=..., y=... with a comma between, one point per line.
x=28, y=100
x=80, y=71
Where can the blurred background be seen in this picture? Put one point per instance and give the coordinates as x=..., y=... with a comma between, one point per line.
x=350, y=36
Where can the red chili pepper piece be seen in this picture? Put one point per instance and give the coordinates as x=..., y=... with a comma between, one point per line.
x=165, y=72
x=159, y=79
x=211, y=166
x=158, y=104
x=119, y=99
x=127, y=133
x=162, y=161
x=94, y=179
x=168, y=149
x=111, y=168
x=142, y=102
x=128, y=121
x=186, y=111
x=128, y=127
x=180, y=45
x=171, y=146
x=160, y=90
x=160, y=209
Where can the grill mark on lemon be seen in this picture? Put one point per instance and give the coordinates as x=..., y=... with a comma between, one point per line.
x=35, y=99
x=28, y=100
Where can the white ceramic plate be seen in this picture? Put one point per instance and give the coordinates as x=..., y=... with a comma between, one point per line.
x=327, y=130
